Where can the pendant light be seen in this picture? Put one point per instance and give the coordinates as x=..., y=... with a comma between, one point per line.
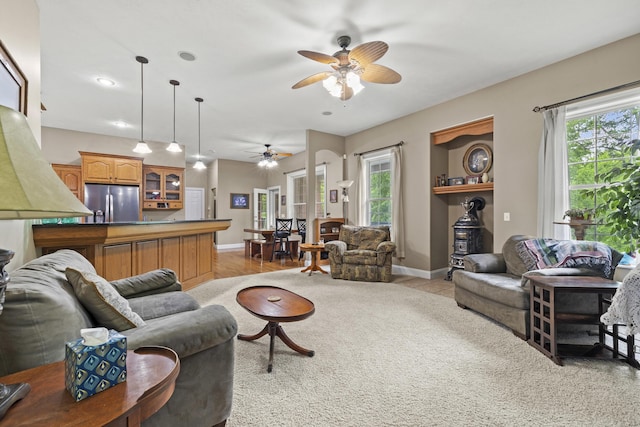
x=174, y=147
x=199, y=164
x=142, y=146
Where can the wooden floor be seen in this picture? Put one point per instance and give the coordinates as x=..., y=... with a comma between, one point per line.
x=232, y=263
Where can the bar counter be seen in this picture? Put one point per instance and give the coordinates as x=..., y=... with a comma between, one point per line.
x=124, y=249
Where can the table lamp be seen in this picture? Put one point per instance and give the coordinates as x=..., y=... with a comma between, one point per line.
x=29, y=189
x=345, y=184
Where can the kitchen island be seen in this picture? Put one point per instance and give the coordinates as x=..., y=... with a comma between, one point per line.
x=123, y=249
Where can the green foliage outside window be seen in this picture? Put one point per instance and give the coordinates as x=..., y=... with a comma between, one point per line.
x=380, y=192
x=599, y=151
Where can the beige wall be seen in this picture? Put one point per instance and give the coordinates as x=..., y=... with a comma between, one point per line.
x=21, y=37
x=517, y=133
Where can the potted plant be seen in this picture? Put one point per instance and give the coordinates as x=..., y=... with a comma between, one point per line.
x=619, y=200
x=578, y=214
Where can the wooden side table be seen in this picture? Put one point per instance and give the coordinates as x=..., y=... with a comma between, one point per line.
x=545, y=318
x=151, y=377
x=314, y=249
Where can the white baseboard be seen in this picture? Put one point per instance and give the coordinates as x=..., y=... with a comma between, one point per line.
x=231, y=246
x=425, y=274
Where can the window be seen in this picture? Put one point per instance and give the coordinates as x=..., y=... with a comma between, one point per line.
x=599, y=133
x=378, y=195
x=297, y=191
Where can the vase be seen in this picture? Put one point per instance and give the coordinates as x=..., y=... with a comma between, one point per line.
x=485, y=177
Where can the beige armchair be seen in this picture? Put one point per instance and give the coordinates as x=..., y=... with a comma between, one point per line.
x=361, y=253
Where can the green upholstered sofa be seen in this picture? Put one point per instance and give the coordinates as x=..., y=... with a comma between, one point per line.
x=361, y=253
x=493, y=285
x=41, y=313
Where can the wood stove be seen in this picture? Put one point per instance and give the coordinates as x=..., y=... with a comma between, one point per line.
x=467, y=234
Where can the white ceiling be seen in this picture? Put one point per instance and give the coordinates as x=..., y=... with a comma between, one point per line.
x=247, y=61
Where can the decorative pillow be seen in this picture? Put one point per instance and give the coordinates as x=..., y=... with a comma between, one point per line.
x=109, y=308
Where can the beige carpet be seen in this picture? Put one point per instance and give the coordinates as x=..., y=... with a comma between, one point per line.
x=388, y=355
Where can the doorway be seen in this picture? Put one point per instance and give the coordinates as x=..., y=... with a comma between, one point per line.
x=193, y=203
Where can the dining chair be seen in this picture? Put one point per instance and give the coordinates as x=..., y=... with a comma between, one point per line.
x=301, y=224
x=281, y=237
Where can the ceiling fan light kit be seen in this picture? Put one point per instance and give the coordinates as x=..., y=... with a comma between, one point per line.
x=350, y=67
x=270, y=157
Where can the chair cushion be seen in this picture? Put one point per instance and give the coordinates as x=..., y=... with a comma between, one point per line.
x=360, y=256
x=102, y=300
x=367, y=238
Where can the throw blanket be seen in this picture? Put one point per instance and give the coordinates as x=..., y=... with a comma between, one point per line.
x=625, y=304
x=550, y=253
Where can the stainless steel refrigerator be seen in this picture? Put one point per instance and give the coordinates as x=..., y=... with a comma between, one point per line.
x=112, y=203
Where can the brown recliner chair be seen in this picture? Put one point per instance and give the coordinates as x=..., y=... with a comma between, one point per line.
x=361, y=253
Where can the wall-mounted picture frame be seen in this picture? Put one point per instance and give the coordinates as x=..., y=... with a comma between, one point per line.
x=333, y=196
x=473, y=179
x=283, y=200
x=13, y=83
x=477, y=159
x=239, y=201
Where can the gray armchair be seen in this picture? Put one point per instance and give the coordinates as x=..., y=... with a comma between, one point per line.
x=361, y=253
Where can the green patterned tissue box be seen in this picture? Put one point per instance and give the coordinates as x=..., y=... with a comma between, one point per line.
x=90, y=369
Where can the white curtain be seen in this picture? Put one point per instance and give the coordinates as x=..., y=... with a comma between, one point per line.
x=397, y=208
x=553, y=176
x=361, y=181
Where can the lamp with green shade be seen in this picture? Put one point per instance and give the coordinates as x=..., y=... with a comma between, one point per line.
x=29, y=189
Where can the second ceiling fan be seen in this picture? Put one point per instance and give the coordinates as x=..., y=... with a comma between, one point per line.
x=349, y=67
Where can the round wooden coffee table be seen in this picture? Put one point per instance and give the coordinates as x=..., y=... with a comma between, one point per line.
x=315, y=250
x=275, y=305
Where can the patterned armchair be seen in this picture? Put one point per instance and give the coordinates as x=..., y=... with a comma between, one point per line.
x=361, y=253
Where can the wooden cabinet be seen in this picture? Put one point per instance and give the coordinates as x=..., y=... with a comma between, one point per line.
x=71, y=175
x=163, y=187
x=328, y=229
x=109, y=169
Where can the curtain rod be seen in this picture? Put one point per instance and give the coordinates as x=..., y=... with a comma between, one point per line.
x=379, y=149
x=301, y=169
x=591, y=95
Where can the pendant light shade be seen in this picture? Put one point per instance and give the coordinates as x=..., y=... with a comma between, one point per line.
x=174, y=147
x=142, y=146
x=199, y=164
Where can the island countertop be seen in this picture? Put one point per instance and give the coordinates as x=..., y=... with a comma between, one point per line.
x=123, y=249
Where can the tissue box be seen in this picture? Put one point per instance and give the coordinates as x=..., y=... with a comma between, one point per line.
x=92, y=369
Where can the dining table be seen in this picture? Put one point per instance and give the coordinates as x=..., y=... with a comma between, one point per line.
x=267, y=246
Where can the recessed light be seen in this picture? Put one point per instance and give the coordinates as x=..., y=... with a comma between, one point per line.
x=120, y=124
x=105, y=82
x=327, y=113
x=187, y=56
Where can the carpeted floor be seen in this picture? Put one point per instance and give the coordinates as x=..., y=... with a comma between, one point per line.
x=389, y=355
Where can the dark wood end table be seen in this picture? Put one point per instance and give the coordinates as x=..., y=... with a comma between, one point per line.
x=545, y=318
x=275, y=305
x=151, y=378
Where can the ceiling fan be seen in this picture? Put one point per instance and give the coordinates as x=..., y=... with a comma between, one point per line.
x=349, y=67
x=270, y=157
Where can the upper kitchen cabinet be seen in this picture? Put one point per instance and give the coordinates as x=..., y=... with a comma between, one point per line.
x=110, y=169
x=71, y=175
x=163, y=187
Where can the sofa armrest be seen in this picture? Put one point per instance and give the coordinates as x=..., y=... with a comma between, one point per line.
x=485, y=263
x=386, y=247
x=336, y=247
x=152, y=282
x=186, y=333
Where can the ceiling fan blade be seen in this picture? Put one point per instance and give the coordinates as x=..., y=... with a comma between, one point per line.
x=284, y=154
x=317, y=56
x=369, y=52
x=312, y=79
x=374, y=73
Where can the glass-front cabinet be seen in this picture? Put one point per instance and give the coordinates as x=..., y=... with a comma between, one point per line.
x=163, y=187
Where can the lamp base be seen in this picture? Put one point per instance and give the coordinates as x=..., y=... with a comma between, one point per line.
x=10, y=394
